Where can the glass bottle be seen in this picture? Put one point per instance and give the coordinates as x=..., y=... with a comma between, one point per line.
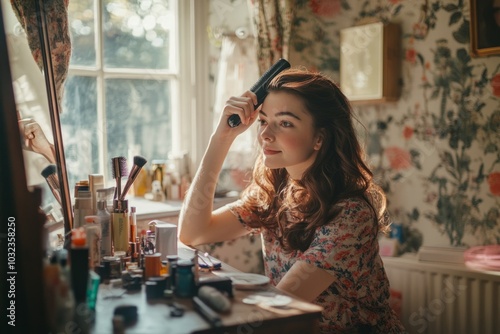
x=184, y=281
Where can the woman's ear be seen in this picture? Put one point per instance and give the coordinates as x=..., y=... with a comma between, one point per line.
x=319, y=139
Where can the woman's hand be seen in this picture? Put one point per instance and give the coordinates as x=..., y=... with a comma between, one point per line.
x=35, y=140
x=243, y=106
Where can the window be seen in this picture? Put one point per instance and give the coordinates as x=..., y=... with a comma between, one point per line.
x=127, y=83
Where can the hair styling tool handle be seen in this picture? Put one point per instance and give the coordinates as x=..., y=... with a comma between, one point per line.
x=260, y=87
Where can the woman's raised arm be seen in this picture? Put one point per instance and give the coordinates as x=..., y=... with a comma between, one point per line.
x=197, y=223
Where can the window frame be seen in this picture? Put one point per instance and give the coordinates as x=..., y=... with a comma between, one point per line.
x=195, y=123
x=189, y=82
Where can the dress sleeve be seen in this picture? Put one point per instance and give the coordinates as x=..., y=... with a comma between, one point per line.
x=244, y=216
x=347, y=246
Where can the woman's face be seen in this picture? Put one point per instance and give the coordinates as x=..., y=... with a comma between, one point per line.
x=286, y=134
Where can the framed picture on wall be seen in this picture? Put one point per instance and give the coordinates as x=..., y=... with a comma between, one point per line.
x=370, y=62
x=485, y=27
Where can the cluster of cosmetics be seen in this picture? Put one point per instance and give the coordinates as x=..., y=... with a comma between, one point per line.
x=99, y=232
x=107, y=248
x=73, y=278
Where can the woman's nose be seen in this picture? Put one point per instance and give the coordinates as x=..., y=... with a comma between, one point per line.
x=266, y=133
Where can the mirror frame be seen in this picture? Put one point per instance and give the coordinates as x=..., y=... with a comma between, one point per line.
x=54, y=110
x=40, y=13
x=22, y=219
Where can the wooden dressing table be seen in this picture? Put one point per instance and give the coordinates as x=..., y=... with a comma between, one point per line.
x=154, y=316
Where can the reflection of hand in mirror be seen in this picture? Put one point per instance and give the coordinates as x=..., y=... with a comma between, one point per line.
x=35, y=140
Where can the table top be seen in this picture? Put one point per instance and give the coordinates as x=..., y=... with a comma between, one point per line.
x=154, y=316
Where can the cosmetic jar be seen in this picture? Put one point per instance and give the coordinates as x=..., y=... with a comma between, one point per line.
x=152, y=265
x=184, y=281
x=164, y=268
x=162, y=281
x=128, y=312
x=112, y=267
x=152, y=289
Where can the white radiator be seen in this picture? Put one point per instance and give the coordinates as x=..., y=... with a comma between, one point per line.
x=441, y=298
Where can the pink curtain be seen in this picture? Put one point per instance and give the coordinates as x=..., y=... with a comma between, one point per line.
x=273, y=20
x=57, y=26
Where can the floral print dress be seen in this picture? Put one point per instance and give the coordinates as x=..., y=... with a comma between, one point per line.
x=347, y=248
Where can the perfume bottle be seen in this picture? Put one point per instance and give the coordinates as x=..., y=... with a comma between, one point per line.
x=105, y=220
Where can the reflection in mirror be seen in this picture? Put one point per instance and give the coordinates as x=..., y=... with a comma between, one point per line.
x=32, y=110
x=31, y=100
x=34, y=105
x=22, y=221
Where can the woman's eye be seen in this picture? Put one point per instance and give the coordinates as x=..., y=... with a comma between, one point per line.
x=261, y=121
x=286, y=124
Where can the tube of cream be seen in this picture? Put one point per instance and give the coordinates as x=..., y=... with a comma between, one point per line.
x=93, y=230
x=82, y=207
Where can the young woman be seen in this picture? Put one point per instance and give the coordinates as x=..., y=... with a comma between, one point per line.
x=311, y=197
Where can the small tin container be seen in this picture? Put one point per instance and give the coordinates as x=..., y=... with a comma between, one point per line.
x=113, y=266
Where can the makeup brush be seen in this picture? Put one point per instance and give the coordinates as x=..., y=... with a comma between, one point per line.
x=50, y=175
x=139, y=162
x=118, y=170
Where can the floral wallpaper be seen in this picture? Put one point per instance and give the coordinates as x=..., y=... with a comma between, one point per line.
x=436, y=150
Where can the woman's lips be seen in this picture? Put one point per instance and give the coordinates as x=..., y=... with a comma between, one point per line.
x=270, y=152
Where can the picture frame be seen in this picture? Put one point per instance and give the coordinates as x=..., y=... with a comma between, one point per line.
x=485, y=27
x=370, y=63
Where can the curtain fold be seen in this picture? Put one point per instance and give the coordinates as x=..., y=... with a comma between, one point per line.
x=57, y=25
x=273, y=22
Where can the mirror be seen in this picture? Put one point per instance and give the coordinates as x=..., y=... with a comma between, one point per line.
x=37, y=94
x=23, y=221
x=369, y=62
x=125, y=96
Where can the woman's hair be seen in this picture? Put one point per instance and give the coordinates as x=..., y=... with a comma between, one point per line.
x=339, y=171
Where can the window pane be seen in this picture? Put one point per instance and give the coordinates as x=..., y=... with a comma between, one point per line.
x=138, y=117
x=137, y=33
x=78, y=120
x=82, y=19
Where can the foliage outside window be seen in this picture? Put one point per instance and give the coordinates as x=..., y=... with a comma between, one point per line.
x=122, y=83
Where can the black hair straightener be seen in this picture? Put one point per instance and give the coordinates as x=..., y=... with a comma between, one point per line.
x=260, y=87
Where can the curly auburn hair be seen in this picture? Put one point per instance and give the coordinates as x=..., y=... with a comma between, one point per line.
x=294, y=209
